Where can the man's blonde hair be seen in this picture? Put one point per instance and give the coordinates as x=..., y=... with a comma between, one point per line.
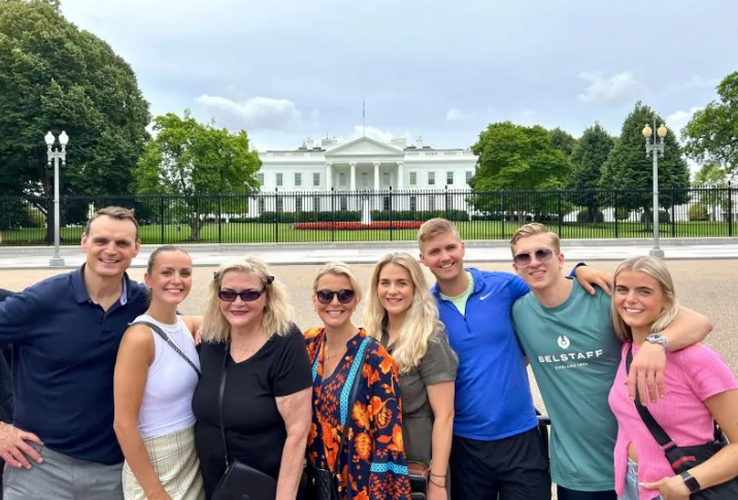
x=435, y=227
x=533, y=229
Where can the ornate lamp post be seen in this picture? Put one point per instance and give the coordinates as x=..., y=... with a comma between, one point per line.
x=54, y=156
x=655, y=146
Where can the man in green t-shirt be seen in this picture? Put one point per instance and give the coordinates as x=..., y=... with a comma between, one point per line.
x=567, y=335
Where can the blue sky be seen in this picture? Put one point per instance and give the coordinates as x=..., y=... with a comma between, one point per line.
x=288, y=69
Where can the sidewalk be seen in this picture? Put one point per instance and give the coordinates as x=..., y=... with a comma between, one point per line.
x=206, y=255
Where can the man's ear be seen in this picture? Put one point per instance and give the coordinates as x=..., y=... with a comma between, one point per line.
x=422, y=259
x=515, y=266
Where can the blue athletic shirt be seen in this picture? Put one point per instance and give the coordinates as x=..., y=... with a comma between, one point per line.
x=493, y=398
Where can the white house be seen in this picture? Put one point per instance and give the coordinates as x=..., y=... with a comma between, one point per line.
x=357, y=168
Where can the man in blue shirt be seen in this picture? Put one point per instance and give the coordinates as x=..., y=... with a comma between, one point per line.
x=6, y=393
x=65, y=333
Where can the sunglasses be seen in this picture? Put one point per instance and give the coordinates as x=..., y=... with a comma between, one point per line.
x=326, y=296
x=524, y=259
x=246, y=295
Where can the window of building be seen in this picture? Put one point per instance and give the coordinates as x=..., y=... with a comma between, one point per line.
x=279, y=180
x=385, y=179
x=298, y=204
x=298, y=179
x=413, y=178
x=261, y=205
x=365, y=180
x=386, y=203
x=432, y=203
x=316, y=179
x=413, y=203
x=280, y=204
x=260, y=178
x=344, y=203
x=342, y=179
x=431, y=178
x=449, y=178
x=316, y=203
x=468, y=176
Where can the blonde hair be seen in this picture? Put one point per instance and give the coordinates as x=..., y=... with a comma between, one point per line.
x=277, y=311
x=421, y=324
x=435, y=227
x=657, y=269
x=533, y=229
x=339, y=269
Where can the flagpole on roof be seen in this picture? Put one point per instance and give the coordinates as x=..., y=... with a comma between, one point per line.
x=363, y=117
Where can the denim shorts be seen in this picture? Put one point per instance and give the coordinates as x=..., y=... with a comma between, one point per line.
x=631, y=483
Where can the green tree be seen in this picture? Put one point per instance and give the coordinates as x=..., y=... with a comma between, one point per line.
x=628, y=168
x=55, y=77
x=711, y=175
x=587, y=159
x=714, y=192
x=562, y=140
x=711, y=136
x=198, y=161
x=516, y=157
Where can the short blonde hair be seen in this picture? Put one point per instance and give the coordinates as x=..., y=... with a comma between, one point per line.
x=435, y=227
x=277, y=312
x=533, y=229
x=657, y=269
x=339, y=269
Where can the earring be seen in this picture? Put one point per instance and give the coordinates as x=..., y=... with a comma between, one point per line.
x=315, y=309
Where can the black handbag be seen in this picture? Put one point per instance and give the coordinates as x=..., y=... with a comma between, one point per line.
x=239, y=481
x=171, y=343
x=322, y=484
x=683, y=458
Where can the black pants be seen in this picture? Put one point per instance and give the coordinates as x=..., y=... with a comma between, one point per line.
x=516, y=468
x=567, y=494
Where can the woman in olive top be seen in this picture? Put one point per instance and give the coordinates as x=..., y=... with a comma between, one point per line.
x=402, y=314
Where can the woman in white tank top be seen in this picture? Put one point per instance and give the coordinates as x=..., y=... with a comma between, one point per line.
x=155, y=377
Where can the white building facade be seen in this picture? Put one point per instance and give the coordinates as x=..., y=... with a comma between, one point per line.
x=361, y=169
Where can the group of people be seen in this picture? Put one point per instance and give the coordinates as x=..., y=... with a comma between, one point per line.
x=119, y=396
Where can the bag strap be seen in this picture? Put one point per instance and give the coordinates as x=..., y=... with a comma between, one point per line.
x=658, y=432
x=221, y=396
x=169, y=341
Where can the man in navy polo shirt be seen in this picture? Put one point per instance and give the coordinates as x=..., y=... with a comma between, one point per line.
x=496, y=449
x=6, y=393
x=65, y=333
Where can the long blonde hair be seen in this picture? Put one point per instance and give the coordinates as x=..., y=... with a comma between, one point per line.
x=277, y=312
x=421, y=323
x=658, y=270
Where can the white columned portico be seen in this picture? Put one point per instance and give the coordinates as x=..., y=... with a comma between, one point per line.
x=352, y=165
x=400, y=176
x=328, y=176
x=376, y=175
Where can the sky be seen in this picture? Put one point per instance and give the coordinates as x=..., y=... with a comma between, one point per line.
x=285, y=70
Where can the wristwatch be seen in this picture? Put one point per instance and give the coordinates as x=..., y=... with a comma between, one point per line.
x=692, y=484
x=657, y=338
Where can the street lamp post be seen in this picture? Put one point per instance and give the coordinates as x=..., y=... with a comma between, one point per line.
x=54, y=156
x=655, y=147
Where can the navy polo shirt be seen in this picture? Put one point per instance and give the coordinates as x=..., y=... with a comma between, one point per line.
x=64, y=352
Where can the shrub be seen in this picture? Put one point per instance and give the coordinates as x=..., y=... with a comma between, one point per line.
x=698, y=211
x=664, y=218
x=585, y=216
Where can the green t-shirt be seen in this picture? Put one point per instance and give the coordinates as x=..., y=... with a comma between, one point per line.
x=574, y=354
x=460, y=300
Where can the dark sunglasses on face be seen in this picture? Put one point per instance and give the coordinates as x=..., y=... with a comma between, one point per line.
x=326, y=296
x=246, y=295
x=524, y=259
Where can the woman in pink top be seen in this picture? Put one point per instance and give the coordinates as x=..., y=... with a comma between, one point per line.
x=701, y=389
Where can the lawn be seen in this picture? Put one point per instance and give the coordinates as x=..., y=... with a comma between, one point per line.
x=472, y=230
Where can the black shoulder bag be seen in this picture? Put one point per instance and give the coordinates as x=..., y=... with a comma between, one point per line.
x=322, y=484
x=683, y=458
x=171, y=343
x=239, y=481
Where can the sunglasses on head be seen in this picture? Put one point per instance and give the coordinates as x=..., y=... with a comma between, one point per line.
x=326, y=296
x=524, y=259
x=246, y=295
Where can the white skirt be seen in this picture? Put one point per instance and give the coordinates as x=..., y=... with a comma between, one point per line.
x=175, y=461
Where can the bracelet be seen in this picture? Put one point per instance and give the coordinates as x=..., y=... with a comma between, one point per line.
x=439, y=485
x=436, y=475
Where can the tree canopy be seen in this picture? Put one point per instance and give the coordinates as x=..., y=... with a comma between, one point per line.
x=589, y=155
x=711, y=136
x=562, y=140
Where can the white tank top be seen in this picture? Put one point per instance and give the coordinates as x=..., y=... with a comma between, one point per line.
x=167, y=402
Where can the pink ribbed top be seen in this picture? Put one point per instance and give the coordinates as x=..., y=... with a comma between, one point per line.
x=692, y=375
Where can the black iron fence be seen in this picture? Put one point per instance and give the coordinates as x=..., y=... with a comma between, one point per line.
x=319, y=216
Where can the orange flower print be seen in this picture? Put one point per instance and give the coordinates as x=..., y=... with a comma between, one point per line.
x=397, y=442
x=363, y=446
x=387, y=365
x=362, y=496
x=382, y=416
x=313, y=434
x=360, y=414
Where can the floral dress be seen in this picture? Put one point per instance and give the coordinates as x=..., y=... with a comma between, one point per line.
x=373, y=464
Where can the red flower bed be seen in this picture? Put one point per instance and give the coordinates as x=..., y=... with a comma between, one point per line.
x=353, y=226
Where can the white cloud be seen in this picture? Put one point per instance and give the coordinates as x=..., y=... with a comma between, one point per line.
x=255, y=113
x=677, y=120
x=375, y=133
x=696, y=82
x=456, y=115
x=618, y=89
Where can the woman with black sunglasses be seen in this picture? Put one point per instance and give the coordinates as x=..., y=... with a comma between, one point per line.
x=356, y=444
x=250, y=344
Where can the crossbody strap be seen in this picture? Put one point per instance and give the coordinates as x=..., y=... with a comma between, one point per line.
x=169, y=341
x=658, y=432
x=221, y=396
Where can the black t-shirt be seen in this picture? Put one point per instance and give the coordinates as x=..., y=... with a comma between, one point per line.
x=254, y=428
